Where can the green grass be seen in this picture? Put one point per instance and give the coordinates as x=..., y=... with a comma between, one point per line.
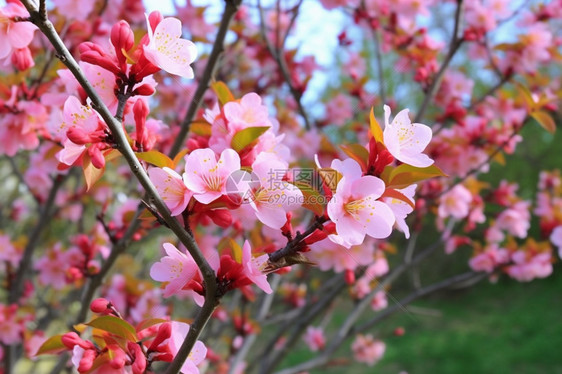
x=507, y=327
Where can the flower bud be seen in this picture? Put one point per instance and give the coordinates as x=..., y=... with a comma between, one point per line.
x=97, y=157
x=87, y=361
x=22, y=59
x=221, y=217
x=78, y=135
x=123, y=39
x=144, y=90
x=99, y=305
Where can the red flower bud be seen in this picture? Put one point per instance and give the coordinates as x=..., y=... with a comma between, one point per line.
x=94, y=54
x=97, y=157
x=22, y=59
x=99, y=305
x=144, y=90
x=139, y=360
x=78, y=136
x=70, y=339
x=87, y=360
x=123, y=39
x=140, y=111
x=221, y=217
x=164, y=332
x=349, y=276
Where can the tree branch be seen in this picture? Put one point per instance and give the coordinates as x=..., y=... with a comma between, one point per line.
x=136, y=167
x=277, y=55
x=230, y=9
x=455, y=44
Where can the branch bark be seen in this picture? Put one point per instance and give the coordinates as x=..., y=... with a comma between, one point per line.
x=230, y=9
x=46, y=27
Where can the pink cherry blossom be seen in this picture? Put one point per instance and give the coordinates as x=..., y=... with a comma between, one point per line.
x=406, y=140
x=339, y=110
x=167, y=50
x=367, y=350
x=249, y=112
x=197, y=354
x=355, y=209
x=272, y=197
x=455, y=203
x=14, y=35
x=8, y=252
x=556, y=239
x=10, y=329
x=515, y=220
x=489, y=259
x=254, y=266
x=314, y=338
x=205, y=176
x=401, y=209
x=171, y=188
x=529, y=266
x=176, y=268
x=379, y=301
x=329, y=255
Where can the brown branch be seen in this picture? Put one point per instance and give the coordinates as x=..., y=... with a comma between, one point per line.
x=279, y=58
x=47, y=28
x=230, y=9
x=454, y=46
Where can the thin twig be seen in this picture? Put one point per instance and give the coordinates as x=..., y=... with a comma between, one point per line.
x=455, y=44
x=279, y=58
x=230, y=9
x=136, y=167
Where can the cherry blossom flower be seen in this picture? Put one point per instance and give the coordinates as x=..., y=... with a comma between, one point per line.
x=489, y=259
x=401, y=209
x=455, y=203
x=368, y=350
x=355, y=209
x=176, y=268
x=272, y=197
x=379, y=301
x=206, y=176
x=556, y=239
x=406, y=140
x=253, y=267
x=197, y=354
x=171, y=188
x=14, y=35
x=167, y=50
x=314, y=338
x=528, y=266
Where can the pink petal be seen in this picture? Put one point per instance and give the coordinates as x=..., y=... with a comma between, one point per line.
x=368, y=186
x=20, y=34
x=377, y=219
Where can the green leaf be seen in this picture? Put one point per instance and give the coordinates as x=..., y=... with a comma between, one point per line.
x=156, y=158
x=115, y=326
x=51, y=346
x=202, y=128
x=144, y=324
x=358, y=153
x=545, y=120
x=405, y=175
x=244, y=138
x=223, y=93
x=91, y=173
